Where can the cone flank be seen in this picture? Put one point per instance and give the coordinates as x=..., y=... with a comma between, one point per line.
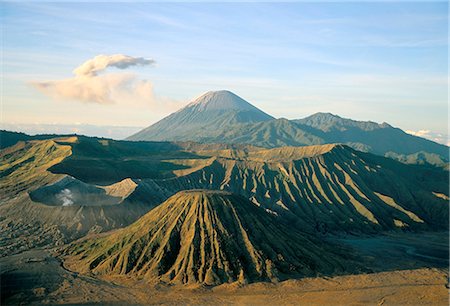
x=212, y=111
x=207, y=237
x=220, y=100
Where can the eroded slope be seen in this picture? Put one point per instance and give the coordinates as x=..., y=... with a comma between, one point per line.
x=325, y=188
x=209, y=237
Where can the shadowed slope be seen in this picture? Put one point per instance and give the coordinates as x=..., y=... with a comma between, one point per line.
x=370, y=136
x=325, y=188
x=40, y=208
x=208, y=237
x=10, y=138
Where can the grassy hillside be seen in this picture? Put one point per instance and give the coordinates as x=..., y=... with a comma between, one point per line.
x=8, y=138
x=103, y=161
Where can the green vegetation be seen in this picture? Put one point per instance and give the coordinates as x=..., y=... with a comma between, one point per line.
x=104, y=161
x=8, y=138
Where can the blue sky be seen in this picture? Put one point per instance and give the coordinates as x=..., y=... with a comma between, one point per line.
x=381, y=61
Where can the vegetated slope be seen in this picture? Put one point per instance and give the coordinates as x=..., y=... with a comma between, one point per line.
x=319, y=188
x=106, y=161
x=49, y=193
x=421, y=158
x=208, y=237
x=324, y=188
x=39, y=208
x=214, y=110
x=24, y=166
x=9, y=138
x=223, y=117
x=373, y=137
x=268, y=134
x=381, y=139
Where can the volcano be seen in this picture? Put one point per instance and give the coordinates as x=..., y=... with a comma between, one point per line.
x=208, y=237
x=213, y=111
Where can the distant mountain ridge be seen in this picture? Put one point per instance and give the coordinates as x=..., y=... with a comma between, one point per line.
x=9, y=138
x=215, y=110
x=223, y=117
x=328, y=122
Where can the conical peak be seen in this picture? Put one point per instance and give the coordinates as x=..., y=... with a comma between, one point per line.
x=213, y=111
x=220, y=100
x=219, y=93
x=209, y=237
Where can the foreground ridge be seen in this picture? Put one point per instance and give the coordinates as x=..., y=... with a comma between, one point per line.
x=207, y=237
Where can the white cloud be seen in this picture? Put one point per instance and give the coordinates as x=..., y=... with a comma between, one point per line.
x=92, y=85
x=99, y=63
x=420, y=133
x=434, y=136
x=101, y=89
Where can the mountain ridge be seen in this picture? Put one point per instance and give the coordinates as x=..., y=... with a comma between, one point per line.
x=259, y=129
x=325, y=121
x=323, y=189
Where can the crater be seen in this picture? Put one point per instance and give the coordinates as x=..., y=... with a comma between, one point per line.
x=72, y=192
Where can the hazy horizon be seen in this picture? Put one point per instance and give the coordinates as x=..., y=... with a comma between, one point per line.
x=66, y=69
x=122, y=132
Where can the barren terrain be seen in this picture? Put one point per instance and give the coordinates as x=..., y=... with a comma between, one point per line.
x=37, y=277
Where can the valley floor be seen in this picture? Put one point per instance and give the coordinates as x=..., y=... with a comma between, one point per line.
x=36, y=277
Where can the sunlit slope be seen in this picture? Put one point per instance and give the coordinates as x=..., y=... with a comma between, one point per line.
x=329, y=187
x=208, y=237
x=325, y=187
x=24, y=166
x=105, y=161
x=211, y=112
x=75, y=185
x=39, y=208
